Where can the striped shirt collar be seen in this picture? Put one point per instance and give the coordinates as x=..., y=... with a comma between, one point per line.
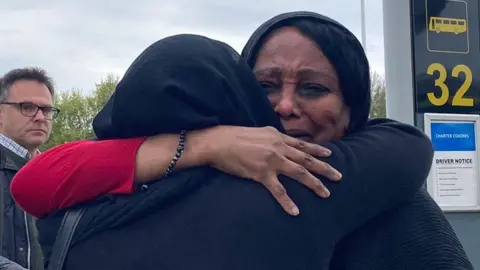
x=14, y=147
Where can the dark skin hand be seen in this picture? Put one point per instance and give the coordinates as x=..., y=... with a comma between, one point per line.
x=260, y=154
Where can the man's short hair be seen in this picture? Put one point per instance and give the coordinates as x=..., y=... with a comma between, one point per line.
x=29, y=74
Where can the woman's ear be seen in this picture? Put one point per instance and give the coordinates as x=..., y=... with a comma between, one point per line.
x=345, y=117
x=344, y=122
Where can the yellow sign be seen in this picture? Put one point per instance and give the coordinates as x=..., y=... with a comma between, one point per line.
x=459, y=99
x=447, y=25
x=448, y=29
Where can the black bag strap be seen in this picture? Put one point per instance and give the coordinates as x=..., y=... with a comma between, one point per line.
x=64, y=237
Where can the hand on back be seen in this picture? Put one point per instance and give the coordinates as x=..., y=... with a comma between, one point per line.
x=261, y=154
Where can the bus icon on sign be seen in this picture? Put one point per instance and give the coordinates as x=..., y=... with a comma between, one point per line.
x=447, y=25
x=446, y=28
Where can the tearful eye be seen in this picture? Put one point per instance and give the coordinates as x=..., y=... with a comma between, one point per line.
x=269, y=87
x=266, y=84
x=314, y=90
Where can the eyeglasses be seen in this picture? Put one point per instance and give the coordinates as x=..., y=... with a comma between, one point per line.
x=30, y=110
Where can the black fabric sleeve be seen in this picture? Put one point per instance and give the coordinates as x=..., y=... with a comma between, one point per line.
x=426, y=240
x=383, y=166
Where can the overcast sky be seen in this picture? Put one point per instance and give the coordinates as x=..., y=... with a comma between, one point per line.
x=80, y=41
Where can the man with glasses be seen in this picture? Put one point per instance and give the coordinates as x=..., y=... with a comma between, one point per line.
x=26, y=114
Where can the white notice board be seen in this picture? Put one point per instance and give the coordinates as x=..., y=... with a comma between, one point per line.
x=454, y=179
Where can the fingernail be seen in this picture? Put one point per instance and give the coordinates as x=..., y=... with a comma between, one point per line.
x=295, y=211
x=327, y=152
x=326, y=193
x=337, y=174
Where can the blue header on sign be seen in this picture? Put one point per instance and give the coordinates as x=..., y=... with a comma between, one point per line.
x=453, y=136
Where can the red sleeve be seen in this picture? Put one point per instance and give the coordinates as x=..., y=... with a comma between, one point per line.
x=75, y=172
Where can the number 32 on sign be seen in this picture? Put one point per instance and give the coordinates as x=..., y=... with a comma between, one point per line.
x=440, y=98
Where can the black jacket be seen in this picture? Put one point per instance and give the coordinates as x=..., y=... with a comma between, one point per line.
x=18, y=231
x=202, y=219
x=415, y=235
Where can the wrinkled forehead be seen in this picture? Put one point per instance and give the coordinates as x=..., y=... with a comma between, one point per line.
x=286, y=51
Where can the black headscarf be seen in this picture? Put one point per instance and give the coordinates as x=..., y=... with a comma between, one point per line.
x=184, y=82
x=340, y=46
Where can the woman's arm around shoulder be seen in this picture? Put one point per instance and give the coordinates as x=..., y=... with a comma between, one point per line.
x=81, y=171
x=77, y=172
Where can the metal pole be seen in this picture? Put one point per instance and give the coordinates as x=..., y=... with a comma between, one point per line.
x=398, y=60
x=364, y=32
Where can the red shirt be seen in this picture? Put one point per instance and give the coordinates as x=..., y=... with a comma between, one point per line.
x=75, y=172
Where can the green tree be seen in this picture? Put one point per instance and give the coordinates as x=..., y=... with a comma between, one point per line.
x=102, y=92
x=378, y=88
x=77, y=111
